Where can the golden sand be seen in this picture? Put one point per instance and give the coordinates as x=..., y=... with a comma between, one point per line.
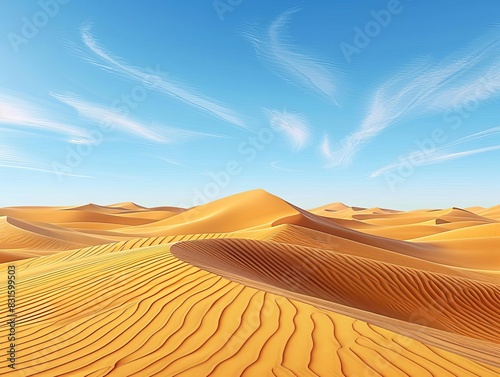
x=251, y=285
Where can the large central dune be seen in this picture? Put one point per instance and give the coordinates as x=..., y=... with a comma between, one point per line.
x=251, y=285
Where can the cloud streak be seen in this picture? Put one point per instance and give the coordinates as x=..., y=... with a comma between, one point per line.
x=325, y=148
x=158, y=81
x=9, y=154
x=20, y=113
x=445, y=152
x=13, y=158
x=293, y=125
x=104, y=115
x=275, y=165
x=273, y=47
x=425, y=89
x=46, y=171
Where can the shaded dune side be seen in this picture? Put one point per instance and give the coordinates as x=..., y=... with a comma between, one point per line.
x=90, y=213
x=449, y=214
x=309, y=220
x=60, y=258
x=23, y=240
x=405, y=232
x=458, y=305
x=49, y=231
x=143, y=312
x=470, y=232
x=407, y=225
x=492, y=212
x=123, y=243
x=297, y=235
x=71, y=215
x=427, y=251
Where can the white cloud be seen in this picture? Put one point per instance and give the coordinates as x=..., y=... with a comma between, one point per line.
x=445, y=152
x=325, y=147
x=275, y=165
x=11, y=154
x=437, y=158
x=27, y=114
x=46, y=171
x=104, y=115
x=424, y=89
x=158, y=81
x=13, y=158
x=293, y=125
x=273, y=46
x=171, y=162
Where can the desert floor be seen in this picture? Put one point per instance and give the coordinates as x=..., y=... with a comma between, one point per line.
x=251, y=285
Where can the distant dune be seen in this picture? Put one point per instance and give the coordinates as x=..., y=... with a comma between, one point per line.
x=251, y=285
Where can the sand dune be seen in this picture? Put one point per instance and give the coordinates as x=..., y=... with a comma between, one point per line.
x=407, y=231
x=296, y=235
x=447, y=215
x=128, y=205
x=492, y=212
x=91, y=213
x=149, y=313
x=251, y=285
x=242, y=211
x=26, y=232
x=483, y=230
x=26, y=240
x=378, y=287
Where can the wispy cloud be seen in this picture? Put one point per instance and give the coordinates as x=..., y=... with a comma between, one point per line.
x=274, y=47
x=451, y=156
x=276, y=165
x=46, y=171
x=294, y=126
x=10, y=154
x=446, y=152
x=14, y=158
x=171, y=162
x=426, y=88
x=325, y=148
x=158, y=81
x=104, y=115
x=25, y=114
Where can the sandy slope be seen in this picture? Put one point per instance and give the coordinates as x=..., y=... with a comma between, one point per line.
x=378, y=287
x=242, y=211
x=252, y=285
x=20, y=239
x=27, y=232
x=144, y=312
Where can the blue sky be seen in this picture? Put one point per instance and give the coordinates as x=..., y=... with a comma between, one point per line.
x=378, y=103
